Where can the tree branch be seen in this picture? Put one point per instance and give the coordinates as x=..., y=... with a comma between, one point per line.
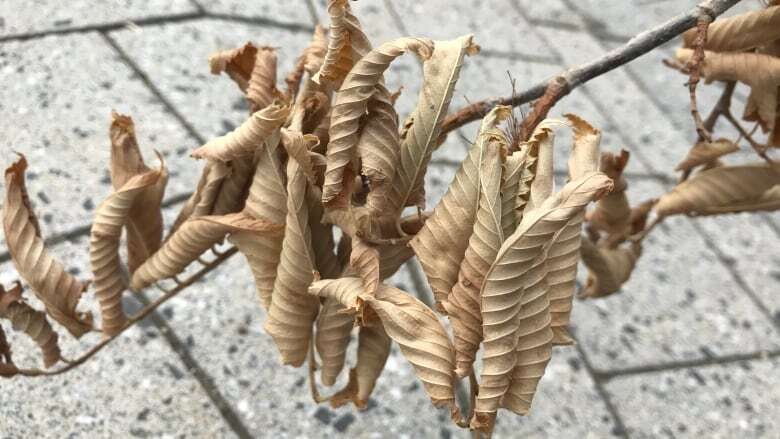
x=576, y=76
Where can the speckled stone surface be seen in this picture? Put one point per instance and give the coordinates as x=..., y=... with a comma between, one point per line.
x=40, y=16
x=725, y=401
x=704, y=291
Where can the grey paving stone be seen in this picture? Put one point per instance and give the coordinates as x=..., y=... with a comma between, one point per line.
x=722, y=401
x=485, y=19
x=290, y=11
x=56, y=101
x=135, y=387
x=21, y=17
x=679, y=304
x=213, y=104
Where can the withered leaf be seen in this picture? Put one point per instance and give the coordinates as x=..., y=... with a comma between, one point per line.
x=742, y=32
x=322, y=241
x=440, y=74
x=442, y=242
x=760, y=71
x=261, y=90
x=309, y=61
x=344, y=290
x=293, y=311
x=52, y=284
x=725, y=189
x=144, y=223
x=350, y=105
x=513, y=323
x=299, y=147
x=608, y=268
x=564, y=253
x=334, y=327
x=373, y=350
x=25, y=319
x=233, y=190
x=612, y=213
x=703, y=153
x=202, y=200
x=191, y=240
x=463, y=303
x=237, y=63
x=111, y=216
x=379, y=142
x=510, y=189
x=543, y=182
x=250, y=135
x=346, y=44
x=423, y=342
x=365, y=261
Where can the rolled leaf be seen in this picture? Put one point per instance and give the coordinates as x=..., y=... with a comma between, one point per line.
x=346, y=44
x=741, y=32
x=261, y=90
x=608, y=268
x=334, y=327
x=59, y=291
x=704, y=153
x=25, y=319
x=237, y=63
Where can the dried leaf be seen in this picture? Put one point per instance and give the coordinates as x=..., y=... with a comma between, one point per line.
x=373, y=350
x=742, y=32
x=350, y=105
x=346, y=44
x=52, y=284
x=201, y=202
x=244, y=140
x=191, y=240
x=543, y=183
x=564, y=253
x=442, y=242
x=309, y=61
x=463, y=303
x=237, y=63
x=293, y=311
x=334, y=327
x=423, y=341
x=364, y=260
x=703, y=153
x=613, y=212
x=233, y=190
x=299, y=147
x=322, y=241
x=261, y=90
x=25, y=319
x=144, y=223
x=344, y=290
x=513, y=320
x=379, y=143
x=609, y=268
x=761, y=72
x=440, y=73
x=111, y=216
x=510, y=189
x=726, y=189
x=267, y=199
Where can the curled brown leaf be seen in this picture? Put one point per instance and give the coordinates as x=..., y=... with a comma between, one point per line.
x=25, y=319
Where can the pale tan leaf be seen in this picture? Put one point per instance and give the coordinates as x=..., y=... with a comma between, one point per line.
x=334, y=327
x=191, y=240
x=248, y=137
x=351, y=103
x=145, y=223
x=564, y=253
x=189, y=207
x=742, y=32
x=422, y=340
x=543, y=183
x=50, y=281
x=379, y=143
x=463, y=303
x=440, y=74
x=760, y=71
x=373, y=350
x=322, y=241
x=344, y=290
x=442, y=242
x=512, y=321
x=233, y=190
x=613, y=212
x=723, y=189
x=527, y=175
x=25, y=319
x=299, y=147
x=703, y=153
x=364, y=260
x=293, y=311
x=608, y=268
x=346, y=44
x=261, y=90
x=111, y=216
x=309, y=61
x=237, y=63
x=217, y=173
x=510, y=189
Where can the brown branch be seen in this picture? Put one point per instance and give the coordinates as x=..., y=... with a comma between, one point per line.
x=695, y=74
x=140, y=315
x=556, y=89
x=576, y=76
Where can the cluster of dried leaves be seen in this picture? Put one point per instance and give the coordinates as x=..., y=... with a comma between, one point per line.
x=500, y=250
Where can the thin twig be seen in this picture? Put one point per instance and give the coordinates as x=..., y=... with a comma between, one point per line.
x=695, y=74
x=759, y=148
x=576, y=76
x=140, y=315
